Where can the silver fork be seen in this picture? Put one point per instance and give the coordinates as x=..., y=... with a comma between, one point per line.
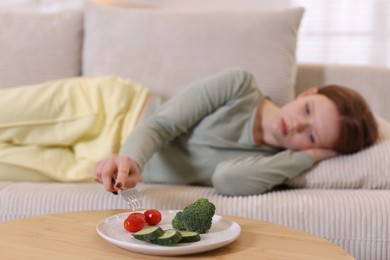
x=132, y=198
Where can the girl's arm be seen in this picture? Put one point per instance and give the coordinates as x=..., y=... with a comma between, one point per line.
x=177, y=116
x=184, y=111
x=258, y=174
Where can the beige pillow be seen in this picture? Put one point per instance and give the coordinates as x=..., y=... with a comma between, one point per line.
x=37, y=46
x=167, y=50
x=368, y=169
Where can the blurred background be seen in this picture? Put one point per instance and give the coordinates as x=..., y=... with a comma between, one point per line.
x=332, y=31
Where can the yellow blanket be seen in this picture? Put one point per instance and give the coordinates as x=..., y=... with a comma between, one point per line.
x=58, y=130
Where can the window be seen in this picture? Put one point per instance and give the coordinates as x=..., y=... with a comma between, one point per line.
x=345, y=32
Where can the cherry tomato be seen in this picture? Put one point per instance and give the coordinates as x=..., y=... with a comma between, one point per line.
x=134, y=222
x=137, y=214
x=152, y=216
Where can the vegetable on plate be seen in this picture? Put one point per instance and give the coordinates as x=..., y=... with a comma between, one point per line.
x=196, y=217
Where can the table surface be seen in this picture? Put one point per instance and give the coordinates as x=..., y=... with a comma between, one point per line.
x=73, y=235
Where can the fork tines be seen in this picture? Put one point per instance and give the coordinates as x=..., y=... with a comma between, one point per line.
x=132, y=198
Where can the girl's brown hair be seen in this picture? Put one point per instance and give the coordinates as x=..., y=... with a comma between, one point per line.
x=358, y=127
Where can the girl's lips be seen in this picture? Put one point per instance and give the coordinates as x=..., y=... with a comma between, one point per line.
x=283, y=127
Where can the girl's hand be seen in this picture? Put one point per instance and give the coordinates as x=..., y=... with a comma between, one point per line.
x=117, y=172
x=318, y=154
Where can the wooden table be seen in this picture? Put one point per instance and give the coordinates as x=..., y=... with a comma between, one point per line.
x=73, y=235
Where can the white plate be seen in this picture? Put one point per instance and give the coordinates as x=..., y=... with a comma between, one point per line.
x=223, y=231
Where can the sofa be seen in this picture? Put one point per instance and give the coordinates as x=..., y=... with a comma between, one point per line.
x=345, y=200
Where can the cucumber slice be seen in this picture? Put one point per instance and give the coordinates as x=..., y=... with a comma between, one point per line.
x=170, y=237
x=189, y=236
x=148, y=234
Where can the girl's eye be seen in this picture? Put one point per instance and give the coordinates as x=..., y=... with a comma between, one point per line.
x=307, y=109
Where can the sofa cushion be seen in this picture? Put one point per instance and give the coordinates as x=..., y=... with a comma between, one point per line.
x=367, y=169
x=166, y=50
x=38, y=45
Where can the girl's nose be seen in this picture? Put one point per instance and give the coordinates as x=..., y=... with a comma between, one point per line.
x=300, y=125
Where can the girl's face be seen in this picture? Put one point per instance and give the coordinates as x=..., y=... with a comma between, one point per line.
x=310, y=121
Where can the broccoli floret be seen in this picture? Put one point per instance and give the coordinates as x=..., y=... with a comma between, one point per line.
x=177, y=222
x=196, y=217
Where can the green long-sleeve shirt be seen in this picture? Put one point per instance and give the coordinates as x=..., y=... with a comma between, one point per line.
x=204, y=135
